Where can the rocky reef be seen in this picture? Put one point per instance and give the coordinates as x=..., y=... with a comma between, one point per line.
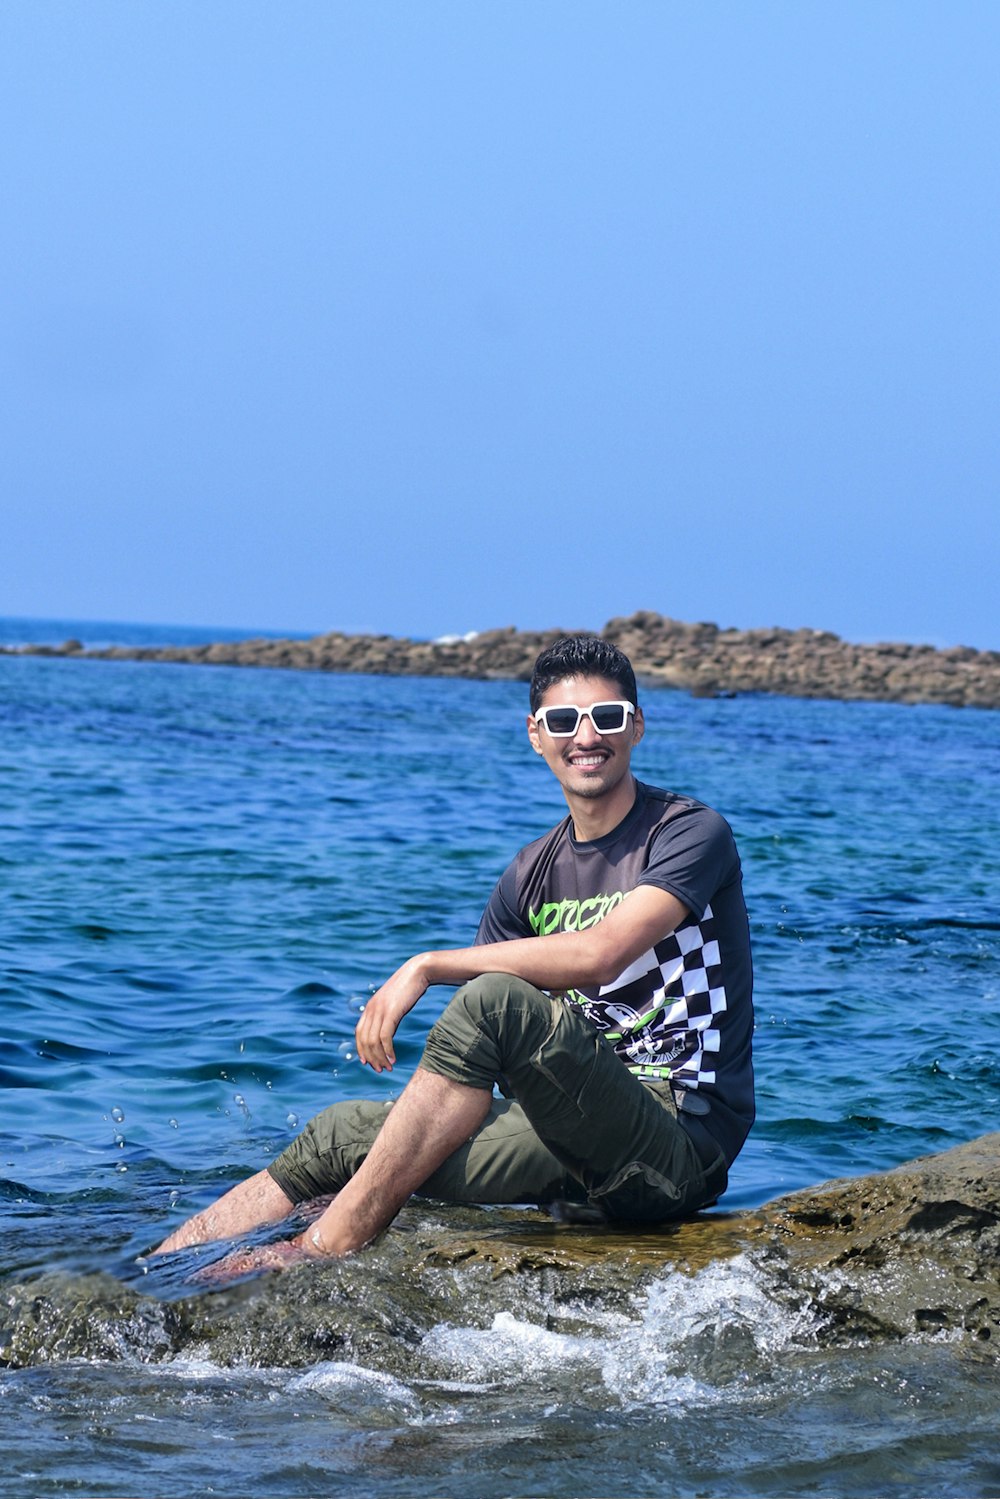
x=912, y=1253
x=698, y=658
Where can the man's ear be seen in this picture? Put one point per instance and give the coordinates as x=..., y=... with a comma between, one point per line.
x=638, y=726
x=536, y=743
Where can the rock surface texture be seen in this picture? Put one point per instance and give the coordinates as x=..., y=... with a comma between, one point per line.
x=900, y=1252
x=904, y=1254
x=912, y=1250
x=698, y=658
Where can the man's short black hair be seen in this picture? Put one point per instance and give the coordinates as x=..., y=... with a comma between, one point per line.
x=581, y=656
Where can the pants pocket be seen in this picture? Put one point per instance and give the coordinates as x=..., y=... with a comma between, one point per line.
x=639, y=1194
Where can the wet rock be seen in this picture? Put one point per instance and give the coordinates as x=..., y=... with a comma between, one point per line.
x=913, y=1252
x=903, y=1252
x=697, y=658
x=57, y=1317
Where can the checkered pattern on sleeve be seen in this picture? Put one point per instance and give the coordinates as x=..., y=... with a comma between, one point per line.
x=681, y=980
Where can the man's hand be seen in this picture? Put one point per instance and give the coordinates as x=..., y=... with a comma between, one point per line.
x=383, y=1012
x=560, y=961
x=240, y=1262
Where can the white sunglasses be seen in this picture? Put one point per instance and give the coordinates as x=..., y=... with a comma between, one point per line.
x=564, y=721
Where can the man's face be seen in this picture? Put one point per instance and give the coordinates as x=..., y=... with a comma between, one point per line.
x=589, y=764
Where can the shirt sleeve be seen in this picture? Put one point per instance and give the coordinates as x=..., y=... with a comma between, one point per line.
x=692, y=855
x=501, y=921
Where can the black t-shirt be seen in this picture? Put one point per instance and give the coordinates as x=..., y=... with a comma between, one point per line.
x=684, y=1008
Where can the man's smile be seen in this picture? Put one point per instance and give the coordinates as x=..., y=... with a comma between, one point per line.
x=588, y=759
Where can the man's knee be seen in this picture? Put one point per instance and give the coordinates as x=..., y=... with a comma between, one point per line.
x=488, y=1023
x=328, y=1152
x=494, y=994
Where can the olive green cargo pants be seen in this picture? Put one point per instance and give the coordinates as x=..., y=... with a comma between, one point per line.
x=582, y=1128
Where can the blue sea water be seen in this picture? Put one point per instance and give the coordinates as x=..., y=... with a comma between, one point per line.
x=205, y=870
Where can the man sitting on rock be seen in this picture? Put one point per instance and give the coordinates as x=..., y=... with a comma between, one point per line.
x=608, y=996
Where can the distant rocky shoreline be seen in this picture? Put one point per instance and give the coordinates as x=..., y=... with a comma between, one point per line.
x=698, y=658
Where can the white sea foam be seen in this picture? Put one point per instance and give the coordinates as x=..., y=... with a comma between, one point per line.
x=699, y=1334
x=693, y=1336
x=345, y=1386
x=350, y=1382
x=195, y=1369
x=507, y=1344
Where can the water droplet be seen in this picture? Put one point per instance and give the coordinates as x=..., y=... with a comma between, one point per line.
x=119, y=1140
x=292, y=1120
x=173, y=1124
x=175, y=1197
x=121, y=1166
x=239, y=1100
x=118, y=1115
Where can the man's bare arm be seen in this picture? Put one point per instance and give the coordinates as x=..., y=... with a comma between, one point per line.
x=564, y=960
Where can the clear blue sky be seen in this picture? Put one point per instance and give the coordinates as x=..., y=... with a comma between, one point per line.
x=438, y=315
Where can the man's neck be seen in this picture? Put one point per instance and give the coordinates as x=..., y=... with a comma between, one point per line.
x=595, y=816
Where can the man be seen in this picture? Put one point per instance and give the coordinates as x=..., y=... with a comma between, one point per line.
x=608, y=995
